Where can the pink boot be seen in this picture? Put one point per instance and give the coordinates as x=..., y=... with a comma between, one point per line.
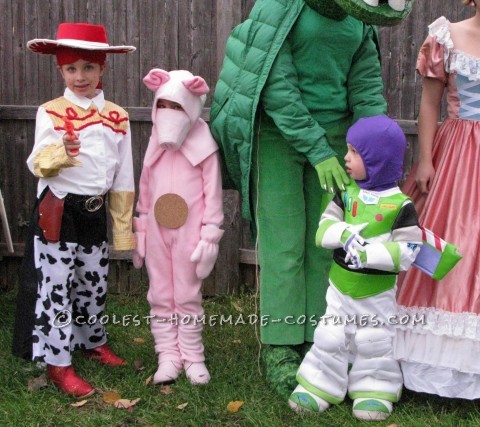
x=196, y=372
x=168, y=370
x=169, y=362
x=192, y=351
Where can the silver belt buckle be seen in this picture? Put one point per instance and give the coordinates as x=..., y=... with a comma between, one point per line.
x=94, y=203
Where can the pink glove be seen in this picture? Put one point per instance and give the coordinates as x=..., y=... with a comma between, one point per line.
x=206, y=252
x=139, y=228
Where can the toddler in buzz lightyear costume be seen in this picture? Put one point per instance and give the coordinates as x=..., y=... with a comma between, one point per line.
x=373, y=228
x=177, y=231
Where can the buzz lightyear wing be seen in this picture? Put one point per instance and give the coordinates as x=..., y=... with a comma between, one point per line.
x=437, y=257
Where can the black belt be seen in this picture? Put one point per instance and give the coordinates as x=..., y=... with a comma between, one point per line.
x=89, y=203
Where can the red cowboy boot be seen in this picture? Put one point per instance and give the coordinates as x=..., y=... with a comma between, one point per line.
x=65, y=378
x=105, y=355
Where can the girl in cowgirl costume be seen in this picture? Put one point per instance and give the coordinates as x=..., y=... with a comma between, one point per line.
x=82, y=152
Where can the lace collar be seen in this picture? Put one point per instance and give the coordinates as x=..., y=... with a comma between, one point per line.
x=455, y=60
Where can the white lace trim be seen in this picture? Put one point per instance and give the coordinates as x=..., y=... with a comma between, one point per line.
x=440, y=29
x=438, y=322
x=442, y=381
x=455, y=60
x=438, y=351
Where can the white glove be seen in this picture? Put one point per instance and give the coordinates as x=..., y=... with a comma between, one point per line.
x=354, y=240
x=356, y=259
x=139, y=228
x=206, y=252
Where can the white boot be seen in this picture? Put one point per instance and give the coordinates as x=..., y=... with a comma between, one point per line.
x=370, y=409
x=301, y=400
x=192, y=351
x=167, y=372
x=165, y=335
x=196, y=372
x=373, y=3
x=397, y=5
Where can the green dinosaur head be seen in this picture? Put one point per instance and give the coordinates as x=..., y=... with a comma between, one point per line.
x=382, y=14
x=327, y=8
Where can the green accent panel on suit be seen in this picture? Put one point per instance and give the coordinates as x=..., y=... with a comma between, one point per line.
x=345, y=235
x=385, y=211
x=358, y=285
x=448, y=260
x=317, y=392
x=391, y=397
x=394, y=251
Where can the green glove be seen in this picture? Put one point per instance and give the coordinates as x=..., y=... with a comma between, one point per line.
x=330, y=170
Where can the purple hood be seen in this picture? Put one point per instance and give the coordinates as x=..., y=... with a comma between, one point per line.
x=381, y=143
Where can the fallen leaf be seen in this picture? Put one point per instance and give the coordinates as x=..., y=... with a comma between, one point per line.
x=138, y=365
x=122, y=302
x=182, y=406
x=111, y=397
x=148, y=380
x=237, y=341
x=79, y=404
x=392, y=425
x=234, y=406
x=237, y=307
x=125, y=403
x=139, y=340
x=37, y=383
x=166, y=389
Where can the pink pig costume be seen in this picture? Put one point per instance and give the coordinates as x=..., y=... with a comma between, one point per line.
x=181, y=162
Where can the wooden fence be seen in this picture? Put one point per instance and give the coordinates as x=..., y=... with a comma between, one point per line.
x=170, y=34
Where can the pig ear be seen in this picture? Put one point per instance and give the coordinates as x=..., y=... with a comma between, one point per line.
x=196, y=85
x=155, y=78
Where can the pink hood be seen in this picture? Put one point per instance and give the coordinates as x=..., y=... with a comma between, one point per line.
x=190, y=92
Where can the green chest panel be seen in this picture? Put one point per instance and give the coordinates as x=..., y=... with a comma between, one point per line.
x=361, y=206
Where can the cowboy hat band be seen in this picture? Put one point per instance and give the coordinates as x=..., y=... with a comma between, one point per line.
x=69, y=55
x=79, y=36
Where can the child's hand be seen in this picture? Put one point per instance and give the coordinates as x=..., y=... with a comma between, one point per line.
x=72, y=144
x=137, y=260
x=351, y=238
x=206, y=252
x=356, y=259
x=139, y=228
x=424, y=176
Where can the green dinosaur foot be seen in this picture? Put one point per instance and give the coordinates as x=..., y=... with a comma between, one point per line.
x=280, y=363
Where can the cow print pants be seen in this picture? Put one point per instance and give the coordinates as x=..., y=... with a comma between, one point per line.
x=72, y=286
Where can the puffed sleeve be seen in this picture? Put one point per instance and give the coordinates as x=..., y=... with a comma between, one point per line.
x=121, y=197
x=430, y=61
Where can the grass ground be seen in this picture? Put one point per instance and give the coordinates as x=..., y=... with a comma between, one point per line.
x=232, y=357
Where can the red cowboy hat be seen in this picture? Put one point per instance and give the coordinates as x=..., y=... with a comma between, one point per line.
x=79, y=36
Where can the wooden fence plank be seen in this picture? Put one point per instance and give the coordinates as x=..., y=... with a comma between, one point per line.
x=169, y=34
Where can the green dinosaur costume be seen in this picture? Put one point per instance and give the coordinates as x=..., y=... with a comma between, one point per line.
x=292, y=83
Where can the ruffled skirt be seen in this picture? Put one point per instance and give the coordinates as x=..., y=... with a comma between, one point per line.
x=439, y=351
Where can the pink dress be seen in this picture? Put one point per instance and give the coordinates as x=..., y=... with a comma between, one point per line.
x=440, y=354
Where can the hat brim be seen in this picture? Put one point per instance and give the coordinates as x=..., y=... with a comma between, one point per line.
x=49, y=47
